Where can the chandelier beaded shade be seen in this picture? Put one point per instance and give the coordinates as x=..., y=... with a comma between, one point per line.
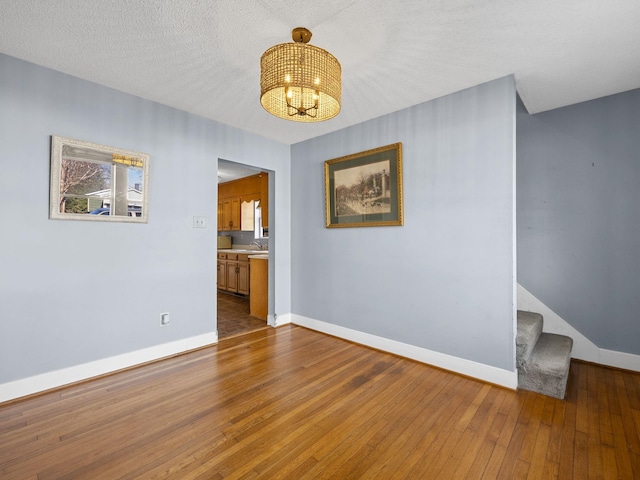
x=300, y=82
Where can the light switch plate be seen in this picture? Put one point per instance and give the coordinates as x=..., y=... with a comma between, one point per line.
x=199, y=222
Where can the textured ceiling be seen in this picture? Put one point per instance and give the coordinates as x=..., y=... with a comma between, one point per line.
x=231, y=170
x=202, y=56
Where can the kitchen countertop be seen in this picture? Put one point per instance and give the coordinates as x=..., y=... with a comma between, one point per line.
x=243, y=251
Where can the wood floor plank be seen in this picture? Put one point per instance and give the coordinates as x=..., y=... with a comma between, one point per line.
x=621, y=447
x=480, y=462
x=484, y=435
x=566, y=453
x=532, y=427
x=582, y=423
x=494, y=465
x=290, y=403
x=463, y=461
x=521, y=470
x=511, y=409
x=609, y=463
x=594, y=414
x=516, y=434
x=537, y=467
x=553, y=451
x=580, y=453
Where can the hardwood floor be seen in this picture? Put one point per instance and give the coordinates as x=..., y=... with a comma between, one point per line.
x=296, y=404
x=233, y=316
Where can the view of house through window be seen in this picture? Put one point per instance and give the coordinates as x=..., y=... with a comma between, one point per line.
x=108, y=186
x=90, y=181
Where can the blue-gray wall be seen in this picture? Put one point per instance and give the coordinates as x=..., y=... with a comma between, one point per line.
x=578, y=213
x=74, y=292
x=445, y=280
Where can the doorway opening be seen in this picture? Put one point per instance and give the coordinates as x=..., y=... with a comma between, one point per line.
x=243, y=299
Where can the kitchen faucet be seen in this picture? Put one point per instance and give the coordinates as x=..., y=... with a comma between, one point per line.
x=258, y=244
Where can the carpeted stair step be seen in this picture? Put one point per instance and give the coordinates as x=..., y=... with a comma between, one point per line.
x=547, y=369
x=529, y=330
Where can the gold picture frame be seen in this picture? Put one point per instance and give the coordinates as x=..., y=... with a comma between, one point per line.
x=365, y=189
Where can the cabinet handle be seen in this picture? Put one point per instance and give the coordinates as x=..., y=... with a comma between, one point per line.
x=237, y=269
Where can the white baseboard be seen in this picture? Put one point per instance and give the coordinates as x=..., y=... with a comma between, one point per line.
x=583, y=348
x=468, y=368
x=65, y=376
x=628, y=361
x=281, y=319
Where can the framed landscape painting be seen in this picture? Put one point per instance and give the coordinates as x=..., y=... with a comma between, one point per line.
x=365, y=189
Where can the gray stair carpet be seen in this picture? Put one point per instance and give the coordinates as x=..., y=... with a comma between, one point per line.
x=543, y=359
x=529, y=330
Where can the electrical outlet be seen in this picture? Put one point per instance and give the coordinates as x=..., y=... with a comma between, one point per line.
x=164, y=319
x=199, y=222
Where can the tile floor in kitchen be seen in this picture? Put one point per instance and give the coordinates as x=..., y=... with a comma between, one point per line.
x=233, y=316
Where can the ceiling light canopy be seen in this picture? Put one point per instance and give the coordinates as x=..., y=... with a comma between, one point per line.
x=300, y=82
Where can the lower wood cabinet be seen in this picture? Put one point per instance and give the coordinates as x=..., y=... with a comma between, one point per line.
x=233, y=273
x=259, y=299
x=222, y=274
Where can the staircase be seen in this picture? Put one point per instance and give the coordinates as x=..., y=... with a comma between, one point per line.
x=542, y=358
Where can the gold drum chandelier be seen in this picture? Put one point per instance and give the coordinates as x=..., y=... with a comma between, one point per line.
x=300, y=82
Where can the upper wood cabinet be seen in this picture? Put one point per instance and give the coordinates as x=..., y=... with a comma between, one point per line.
x=232, y=194
x=229, y=214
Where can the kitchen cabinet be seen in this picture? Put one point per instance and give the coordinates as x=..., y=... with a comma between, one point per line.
x=238, y=276
x=229, y=214
x=222, y=273
x=232, y=194
x=258, y=301
x=233, y=273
